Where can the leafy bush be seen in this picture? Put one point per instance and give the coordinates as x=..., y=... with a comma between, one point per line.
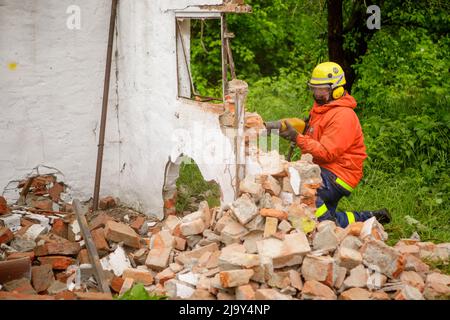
x=138, y=292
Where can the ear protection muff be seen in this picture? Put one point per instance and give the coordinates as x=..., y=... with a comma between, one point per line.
x=337, y=92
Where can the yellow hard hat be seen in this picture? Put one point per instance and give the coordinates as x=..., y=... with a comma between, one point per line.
x=329, y=73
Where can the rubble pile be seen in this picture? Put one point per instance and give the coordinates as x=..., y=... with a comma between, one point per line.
x=266, y=245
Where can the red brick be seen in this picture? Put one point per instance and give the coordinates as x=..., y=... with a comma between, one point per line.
x=99, y=221
x=107, y=203
x=93, y=296
x=56, y=190
x=3, y=206
x=20, y=286
x=57, y=262
x=273, y=213
x=386, y=258
x=315, y=290
x=62, y=276
x=60, y=228
x=67, y=207
x=42, y=277
x=43, y=204
x=137, y=223
x=141, y=276
x=5, y=235
x=65, y=248
x=24, y=222
x=119, y=232
x=65, y=295
x=164, y=275
x=23, y=230
x=355, y=294
x=22, y=296
x=98, y=235
x=245, y=292
x=116, y=284
x=354, y=229
x=20, y=255
x=83, y=256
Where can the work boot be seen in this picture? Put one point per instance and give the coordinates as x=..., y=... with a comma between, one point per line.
x=382, y=216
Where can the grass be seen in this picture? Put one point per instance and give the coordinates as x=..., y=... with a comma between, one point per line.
x=192, y=189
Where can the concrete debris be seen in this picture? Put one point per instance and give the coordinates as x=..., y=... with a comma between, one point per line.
x=266, y=245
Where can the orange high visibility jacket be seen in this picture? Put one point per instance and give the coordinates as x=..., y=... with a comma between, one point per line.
x=335, y=140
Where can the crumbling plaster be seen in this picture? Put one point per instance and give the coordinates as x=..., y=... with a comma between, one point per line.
x=51, y=100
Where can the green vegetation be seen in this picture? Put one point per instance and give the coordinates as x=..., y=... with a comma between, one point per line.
x=401, y=85
x=138, y=292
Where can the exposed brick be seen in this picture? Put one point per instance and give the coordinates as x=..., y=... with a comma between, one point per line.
x=322, y=269
x=107, y=203
x=158, y=259
x=180, y=243
x=437, y=286
x=188, y=256
x=83, y=257
x=98, y=235
x=326, y=240
x=20, y=255
x=270, y=227
x=116, y=284
x=314, y=290
x=164, y=275
x=282, y=215
x=354, y=229
x=3, y=206
x=139, y=276
x=244, y=209
x=55, y=191
x=22, y=285
x=5, y=235
x=288, y=252
x=93, y=296
x=234, y=278
x=386, y=259
x=236, y=258
x=65, y=295
x=99, y=221
x=60, y=228
x=65, y=248
x=413, y=278
x=358, y=278
x=192, y=227
x=22, y=296
x=42, y=277
x=43, y=204
x=355, y=294
x=137, y=223
x=270, y=294
x=119, y=232
x=380, y=295
x=245, y=292
x=409, y=293
x=348, y=258
x=57, y=262
x=271, y=185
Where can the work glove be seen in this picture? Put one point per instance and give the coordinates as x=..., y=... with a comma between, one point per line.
x=272, y=125
x=290, y=133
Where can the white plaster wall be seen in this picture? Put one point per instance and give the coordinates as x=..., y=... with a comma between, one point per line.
x=51, y=103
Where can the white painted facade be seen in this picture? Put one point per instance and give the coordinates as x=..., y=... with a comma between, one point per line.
x=51, y=82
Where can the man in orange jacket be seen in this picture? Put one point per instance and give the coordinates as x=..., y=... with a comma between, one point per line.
x=333, y=136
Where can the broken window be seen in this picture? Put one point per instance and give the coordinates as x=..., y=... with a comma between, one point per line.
x=202, y=56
